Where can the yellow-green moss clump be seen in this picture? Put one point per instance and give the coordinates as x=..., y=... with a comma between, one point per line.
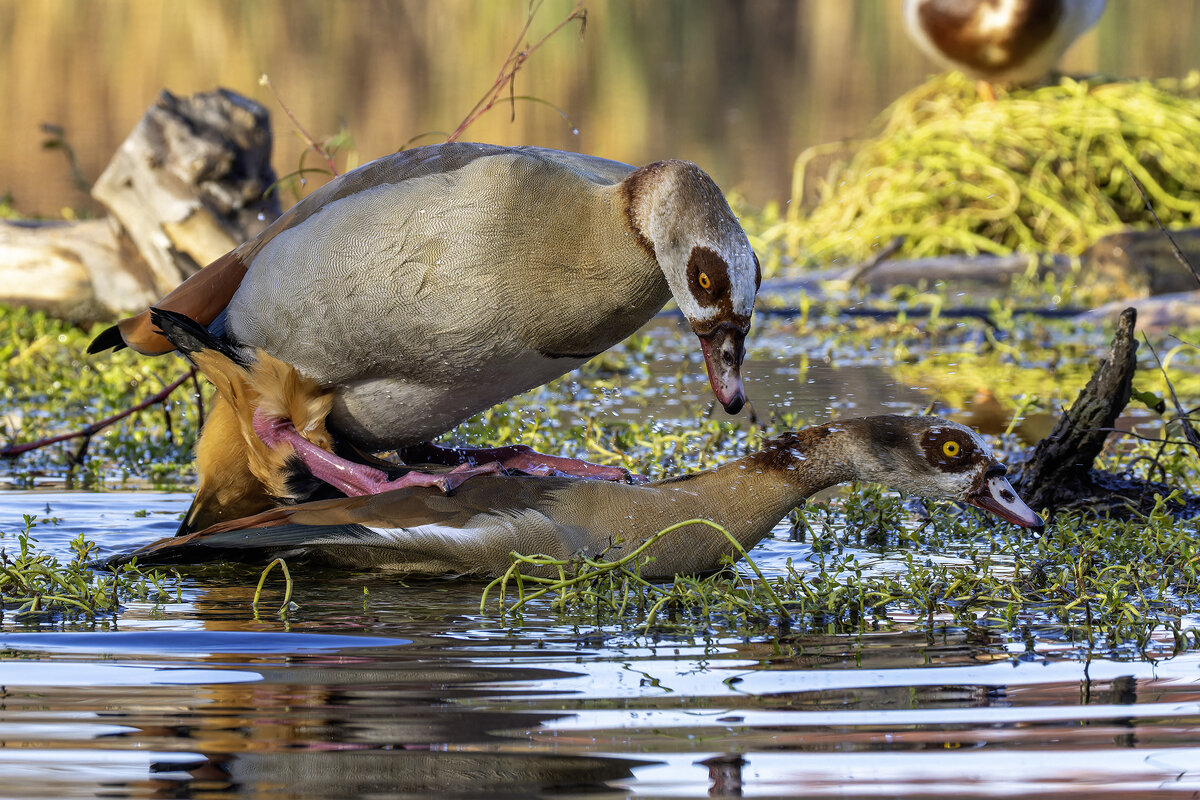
x=1037, y=170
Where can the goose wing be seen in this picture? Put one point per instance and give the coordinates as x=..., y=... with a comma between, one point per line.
x=414, y=530
x=204, y=295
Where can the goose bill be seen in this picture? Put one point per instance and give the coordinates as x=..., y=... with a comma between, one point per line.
x=999, y=497
x=724, y=348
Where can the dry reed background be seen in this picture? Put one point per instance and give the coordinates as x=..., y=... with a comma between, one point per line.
x=741, y=88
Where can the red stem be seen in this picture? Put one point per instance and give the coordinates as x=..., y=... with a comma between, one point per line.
x=91, y=430
x=508, y=70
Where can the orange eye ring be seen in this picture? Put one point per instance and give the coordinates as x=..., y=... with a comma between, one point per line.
x=951, y=448
x=705, y=281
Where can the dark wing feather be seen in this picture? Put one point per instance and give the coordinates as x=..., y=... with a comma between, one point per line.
x=338, y=530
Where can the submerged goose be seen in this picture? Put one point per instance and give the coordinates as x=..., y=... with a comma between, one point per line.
x=999, y=41
x=473, y=531
x=434, y=283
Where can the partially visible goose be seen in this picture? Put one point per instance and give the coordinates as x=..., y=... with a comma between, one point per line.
x=265, y=440
x=473, y=531
x=999, y=41
x=433, y=283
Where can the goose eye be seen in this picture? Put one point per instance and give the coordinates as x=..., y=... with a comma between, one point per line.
x=951, y=448
x=705, y=281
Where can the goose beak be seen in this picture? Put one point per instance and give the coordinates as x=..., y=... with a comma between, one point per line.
x=724, y=348
x=998, y=496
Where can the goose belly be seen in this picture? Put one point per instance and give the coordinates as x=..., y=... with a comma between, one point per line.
x=397, y=410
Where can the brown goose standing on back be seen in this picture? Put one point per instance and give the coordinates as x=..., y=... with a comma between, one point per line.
x=999, y=41
x=474, y=530
x=434, y=283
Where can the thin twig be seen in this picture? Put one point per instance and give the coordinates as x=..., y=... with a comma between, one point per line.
x=885, y=252
x=1179, y=254
x=512, y=65
x=17, y=449
x=1188, y=431
x=265, y=80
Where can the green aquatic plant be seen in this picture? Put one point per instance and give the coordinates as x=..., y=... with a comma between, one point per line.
x=1040, y=170
x=49, y=387
x=1127, y=587
x=37, y=585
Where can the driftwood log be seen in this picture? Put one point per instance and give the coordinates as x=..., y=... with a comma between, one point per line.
x=74, y=270
x=1176, y=310
x=188, y=185
x=1144, y=263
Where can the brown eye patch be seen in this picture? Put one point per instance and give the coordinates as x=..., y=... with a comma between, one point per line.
x=708, y=276
x=948, y=449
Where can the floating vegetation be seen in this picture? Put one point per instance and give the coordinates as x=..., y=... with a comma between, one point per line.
x=35, y=586
x=48, y=386
x=1041, y=170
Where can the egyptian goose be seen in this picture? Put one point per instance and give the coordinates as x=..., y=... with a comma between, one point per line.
x=473, y=531
x=999, y=41
x=433, y=283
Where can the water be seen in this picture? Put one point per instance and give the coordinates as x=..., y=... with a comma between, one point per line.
x=373, y=687
x=382, y=688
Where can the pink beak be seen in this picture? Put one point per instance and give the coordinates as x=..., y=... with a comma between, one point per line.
x=724, y=348
x=999, y=497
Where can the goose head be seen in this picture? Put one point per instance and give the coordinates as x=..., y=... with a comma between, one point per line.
x=680, y=214
x=940, y=459
x=926, y=456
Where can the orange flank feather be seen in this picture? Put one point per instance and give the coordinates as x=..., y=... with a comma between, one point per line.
x=239, y=474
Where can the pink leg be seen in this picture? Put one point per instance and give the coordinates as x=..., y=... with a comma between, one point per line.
x=517, y=456
x=354, y=479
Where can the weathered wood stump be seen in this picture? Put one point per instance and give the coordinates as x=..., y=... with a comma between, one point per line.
x=1059, y=472
x=187, y=186
x=189, y=182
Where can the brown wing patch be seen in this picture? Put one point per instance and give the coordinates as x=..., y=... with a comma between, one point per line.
x=201, y=297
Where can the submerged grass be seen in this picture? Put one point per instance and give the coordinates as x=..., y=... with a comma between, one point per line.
x=1040, y=170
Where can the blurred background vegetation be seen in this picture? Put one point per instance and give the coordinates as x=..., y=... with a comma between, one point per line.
x=739, y=87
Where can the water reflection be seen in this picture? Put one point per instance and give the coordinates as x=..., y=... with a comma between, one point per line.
x=377, y=716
